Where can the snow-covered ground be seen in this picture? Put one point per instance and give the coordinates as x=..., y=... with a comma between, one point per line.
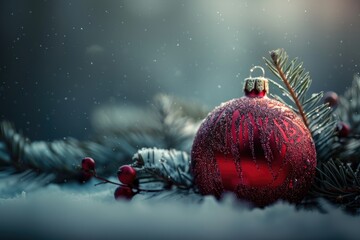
x=73, y=211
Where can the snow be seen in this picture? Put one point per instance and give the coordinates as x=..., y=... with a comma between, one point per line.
x=74, y=211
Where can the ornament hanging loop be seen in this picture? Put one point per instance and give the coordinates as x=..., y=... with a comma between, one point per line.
x=257, y=67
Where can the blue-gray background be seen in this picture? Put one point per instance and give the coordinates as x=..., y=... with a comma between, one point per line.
x=60, y=60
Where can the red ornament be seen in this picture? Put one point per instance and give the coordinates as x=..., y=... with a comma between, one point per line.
x=123, y=192
x=126, y=174
x=88, y=164
x=256, y=147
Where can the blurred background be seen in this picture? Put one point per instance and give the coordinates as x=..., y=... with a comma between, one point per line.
x=60, y=60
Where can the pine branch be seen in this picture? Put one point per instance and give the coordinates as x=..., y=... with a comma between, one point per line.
x=274, y=57
x=335, y=181
x=178, y=120
x=339, y=183
x=124, y=132
x=318, y=118
x=59, y=158
x=169, y=123
x=164, y=168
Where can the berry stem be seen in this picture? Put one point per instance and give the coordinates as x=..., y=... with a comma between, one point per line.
x=148, y=190
x=104, y=181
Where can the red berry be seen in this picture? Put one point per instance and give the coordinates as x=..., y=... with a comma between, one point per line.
x=126, y=174
x=343, y=129
x=123, y=192
x=331, y=98
x=88, y=164
x=85, y=176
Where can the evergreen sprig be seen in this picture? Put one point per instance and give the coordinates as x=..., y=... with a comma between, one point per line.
x=166, y=168
x=339, y=183
x=170, y=123
x=317, y=117
x=60, y=158
x=336, y=182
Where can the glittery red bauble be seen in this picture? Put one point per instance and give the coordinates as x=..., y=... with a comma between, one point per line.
x=256, y=147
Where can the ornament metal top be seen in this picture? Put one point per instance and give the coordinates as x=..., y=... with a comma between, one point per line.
x=256, y=86
x=255, y=147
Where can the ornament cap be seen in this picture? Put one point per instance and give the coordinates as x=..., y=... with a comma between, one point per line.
x=256, y=86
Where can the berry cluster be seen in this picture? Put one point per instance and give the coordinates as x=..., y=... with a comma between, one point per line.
x=126, y=174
